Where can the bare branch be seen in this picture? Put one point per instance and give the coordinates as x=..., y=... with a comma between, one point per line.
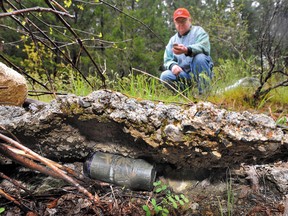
x=37, y=9
x=79, y=42
x=58, y=173
x=57, y=48
x=12, y=199
x=166, y=83
x=280, y=84
x=23, y=72
x=59, y=6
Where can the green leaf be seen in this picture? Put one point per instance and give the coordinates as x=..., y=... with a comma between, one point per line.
x=177, y=197
x=147, y=210
x=50, y=31
x=157, y=209
x=2, y=209
x=157, y=183
x=184, y=198
x=171, y=199
x=164, y=187
x=67, y=3
x=165, y=210
x=153, y=201
x=80, y=6
x=181, y=202
x=282, y=121
x=158, y=190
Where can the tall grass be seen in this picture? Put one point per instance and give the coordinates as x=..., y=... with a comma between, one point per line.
x=145, y=86
x=228, y=209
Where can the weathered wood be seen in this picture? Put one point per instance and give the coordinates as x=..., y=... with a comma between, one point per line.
x=189, y=136
x=53, y=168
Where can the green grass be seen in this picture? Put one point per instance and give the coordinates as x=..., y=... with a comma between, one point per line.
x=141, y=85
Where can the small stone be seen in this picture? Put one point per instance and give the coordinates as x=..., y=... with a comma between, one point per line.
x=84, y=104
x=217, y=154
x=261, y=148
x=194, y=206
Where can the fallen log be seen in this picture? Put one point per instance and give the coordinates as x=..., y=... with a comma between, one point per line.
x=189, y=136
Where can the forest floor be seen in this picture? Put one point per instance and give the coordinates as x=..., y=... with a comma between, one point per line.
x=209, y=193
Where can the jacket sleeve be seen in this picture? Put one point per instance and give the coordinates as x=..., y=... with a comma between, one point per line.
x=169, y=57
x=202, y=44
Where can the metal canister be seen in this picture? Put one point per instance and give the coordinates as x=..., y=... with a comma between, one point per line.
x=133, y=173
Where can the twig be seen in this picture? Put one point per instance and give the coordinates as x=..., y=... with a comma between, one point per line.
x=46, y=92
x=180, y=93
x=64, y=168
x=23, y=72
x=9, y=197
x=286, y=205
x=57, y=48
x=56, y=170
x=59, y=6
x=16, y=183
x=27, y=162
x=67, y=25
x=38, y=9
x=115, y=200
x=18, y=203
x=11, y=134
x=45, y=36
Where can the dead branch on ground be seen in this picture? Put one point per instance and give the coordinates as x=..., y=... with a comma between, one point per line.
x=50, y=167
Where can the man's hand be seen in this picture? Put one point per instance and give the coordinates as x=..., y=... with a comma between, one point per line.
x=180, y=49
x=176, y=69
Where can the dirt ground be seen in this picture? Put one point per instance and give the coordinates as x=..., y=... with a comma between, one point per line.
x=209, y=192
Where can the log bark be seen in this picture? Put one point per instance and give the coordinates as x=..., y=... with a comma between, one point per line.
x=188, y=136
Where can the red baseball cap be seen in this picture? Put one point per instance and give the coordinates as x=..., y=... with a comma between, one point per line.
x=181, y=12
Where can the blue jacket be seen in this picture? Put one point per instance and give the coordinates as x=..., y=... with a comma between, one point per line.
x=196, y=40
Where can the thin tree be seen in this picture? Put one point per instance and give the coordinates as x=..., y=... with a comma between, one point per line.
x=272, y=47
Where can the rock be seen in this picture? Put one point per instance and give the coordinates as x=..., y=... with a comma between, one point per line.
x=192, y=136
x=249, y=83
x=13, y=87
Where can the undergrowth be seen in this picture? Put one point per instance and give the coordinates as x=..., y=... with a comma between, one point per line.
x=169, y=204
x=141, y=86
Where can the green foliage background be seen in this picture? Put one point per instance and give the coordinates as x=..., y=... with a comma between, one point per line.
x=133, y=34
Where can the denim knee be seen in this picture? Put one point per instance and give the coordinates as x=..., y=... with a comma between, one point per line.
x=167, y=75
x=200, y=63
x=200, y=59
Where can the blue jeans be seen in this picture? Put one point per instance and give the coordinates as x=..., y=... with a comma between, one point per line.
x=201, y=68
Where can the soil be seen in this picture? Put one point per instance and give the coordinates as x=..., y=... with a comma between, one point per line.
x=209, y=192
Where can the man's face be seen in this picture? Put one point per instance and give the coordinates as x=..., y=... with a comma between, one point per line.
x=182, y=25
